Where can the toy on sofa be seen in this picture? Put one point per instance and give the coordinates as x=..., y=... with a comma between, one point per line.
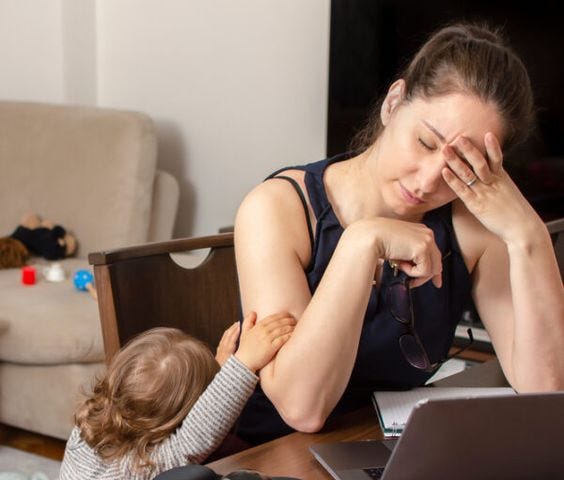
x=35, y=237
x=84, y=280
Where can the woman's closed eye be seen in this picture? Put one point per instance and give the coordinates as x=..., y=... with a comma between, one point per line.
x=426, y=146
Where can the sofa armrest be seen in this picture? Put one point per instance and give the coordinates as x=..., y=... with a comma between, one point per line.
x=163, y=207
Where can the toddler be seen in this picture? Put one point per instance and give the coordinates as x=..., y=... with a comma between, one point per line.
x=165, y=401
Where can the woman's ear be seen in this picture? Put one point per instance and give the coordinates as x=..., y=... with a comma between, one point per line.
x=394, y=97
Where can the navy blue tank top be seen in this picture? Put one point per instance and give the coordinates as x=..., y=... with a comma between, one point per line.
x=379, y=363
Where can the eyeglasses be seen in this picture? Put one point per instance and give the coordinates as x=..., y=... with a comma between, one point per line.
x=401, y=308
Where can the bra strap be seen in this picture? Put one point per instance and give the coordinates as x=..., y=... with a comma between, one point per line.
x=304, y=204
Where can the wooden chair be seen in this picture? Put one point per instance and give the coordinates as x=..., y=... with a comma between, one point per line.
x=143, y=287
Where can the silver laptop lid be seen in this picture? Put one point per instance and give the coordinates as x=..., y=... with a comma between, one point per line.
x=511, y=437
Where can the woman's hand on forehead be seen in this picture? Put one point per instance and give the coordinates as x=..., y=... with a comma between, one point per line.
x=469, y=160
x=486, y=189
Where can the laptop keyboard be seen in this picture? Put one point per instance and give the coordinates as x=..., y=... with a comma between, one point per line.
x=374, y=472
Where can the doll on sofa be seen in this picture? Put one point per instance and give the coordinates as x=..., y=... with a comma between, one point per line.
x=35, y=237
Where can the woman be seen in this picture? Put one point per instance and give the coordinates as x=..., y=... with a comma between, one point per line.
x=425, y=192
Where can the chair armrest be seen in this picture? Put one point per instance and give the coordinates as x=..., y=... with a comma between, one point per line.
x=555, y=226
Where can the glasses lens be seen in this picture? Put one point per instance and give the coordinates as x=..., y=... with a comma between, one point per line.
x=413, y=352
x=400, y=304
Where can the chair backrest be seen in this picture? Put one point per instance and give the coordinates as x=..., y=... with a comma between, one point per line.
x=143, y=287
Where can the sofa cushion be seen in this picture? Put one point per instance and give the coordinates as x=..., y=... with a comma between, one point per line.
x=34, y=329
x=44, y=398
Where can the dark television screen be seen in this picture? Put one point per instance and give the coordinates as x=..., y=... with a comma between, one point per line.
x=372, y=39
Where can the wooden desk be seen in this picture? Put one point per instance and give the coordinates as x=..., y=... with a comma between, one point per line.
x=289, y=455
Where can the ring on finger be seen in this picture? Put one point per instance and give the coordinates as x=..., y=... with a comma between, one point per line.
x=471, y=182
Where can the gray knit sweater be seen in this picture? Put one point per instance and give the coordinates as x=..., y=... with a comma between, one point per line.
x=200, y=433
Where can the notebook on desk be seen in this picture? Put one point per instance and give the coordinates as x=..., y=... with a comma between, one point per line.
x=515, y=436
x=394, y=407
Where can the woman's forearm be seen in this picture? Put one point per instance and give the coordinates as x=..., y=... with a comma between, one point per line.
x=538, y=304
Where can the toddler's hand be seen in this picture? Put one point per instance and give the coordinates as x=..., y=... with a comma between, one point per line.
x=227, y=344
x=260, y=341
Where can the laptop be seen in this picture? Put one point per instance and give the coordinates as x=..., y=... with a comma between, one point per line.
x=500, y=437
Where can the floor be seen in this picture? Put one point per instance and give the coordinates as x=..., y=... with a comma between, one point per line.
x=31, y=442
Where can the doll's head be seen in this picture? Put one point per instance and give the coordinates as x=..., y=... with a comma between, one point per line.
x=13, y=253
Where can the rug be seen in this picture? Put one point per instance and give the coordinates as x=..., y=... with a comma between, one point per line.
x=26, y=466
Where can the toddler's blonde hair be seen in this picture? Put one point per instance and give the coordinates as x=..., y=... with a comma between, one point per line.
x=148, y=389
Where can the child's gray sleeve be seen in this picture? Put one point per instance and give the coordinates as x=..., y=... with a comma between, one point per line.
x=210, y=419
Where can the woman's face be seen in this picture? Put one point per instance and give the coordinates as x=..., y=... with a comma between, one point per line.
x=409, y=150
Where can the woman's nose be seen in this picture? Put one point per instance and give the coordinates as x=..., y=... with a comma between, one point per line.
x=429, y=174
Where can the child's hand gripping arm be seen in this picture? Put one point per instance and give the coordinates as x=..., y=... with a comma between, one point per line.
x=261, y=341
x=227, y=344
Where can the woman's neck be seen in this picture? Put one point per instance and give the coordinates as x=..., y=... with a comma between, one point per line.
x=352, y=188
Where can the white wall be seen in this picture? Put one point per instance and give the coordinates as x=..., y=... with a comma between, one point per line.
x=237, y=88
x=31, y=44
x=80, y=74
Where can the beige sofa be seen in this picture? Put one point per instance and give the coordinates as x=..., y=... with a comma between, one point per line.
x=92, y=170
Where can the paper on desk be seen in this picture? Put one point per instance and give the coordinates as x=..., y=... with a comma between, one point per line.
x=393, y=408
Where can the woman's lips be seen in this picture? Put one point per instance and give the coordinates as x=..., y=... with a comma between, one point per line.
x=409, y=197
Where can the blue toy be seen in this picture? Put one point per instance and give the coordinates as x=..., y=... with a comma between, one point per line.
x=84, y=281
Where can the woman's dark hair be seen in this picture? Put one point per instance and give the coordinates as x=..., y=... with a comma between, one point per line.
x=466, y=58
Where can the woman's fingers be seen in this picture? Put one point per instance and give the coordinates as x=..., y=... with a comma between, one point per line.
x=462, y=168
x=495, y=155
x=463, y=190
x=412, y=247
x=426, y=266
x=474, y=174
x=469, y=163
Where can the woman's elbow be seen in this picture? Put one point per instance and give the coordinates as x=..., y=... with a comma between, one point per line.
x=302, y=412
x=302, y=421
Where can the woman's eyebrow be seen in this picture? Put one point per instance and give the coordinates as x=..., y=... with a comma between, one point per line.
x=434, y=130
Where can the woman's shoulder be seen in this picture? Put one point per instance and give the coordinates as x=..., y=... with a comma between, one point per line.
x=315, y=168
x=272, y=216
x=272, y=196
